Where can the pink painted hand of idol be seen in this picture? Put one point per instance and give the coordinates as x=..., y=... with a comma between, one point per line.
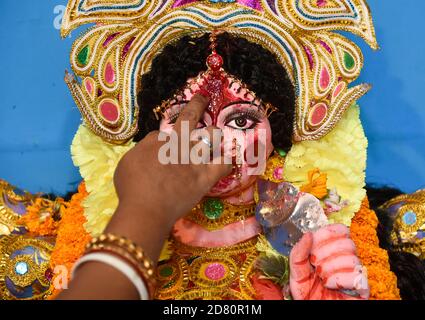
x=324, y=266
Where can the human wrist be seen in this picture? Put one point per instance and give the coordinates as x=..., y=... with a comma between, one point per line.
x=147, y=227
x=139, y=210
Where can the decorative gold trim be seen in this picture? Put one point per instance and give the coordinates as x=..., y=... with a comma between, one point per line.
x=185, y=250
x=210, y=294
x=200, y=279
x=9, y=218
x=191, y=282
x=9, y=245
x=244, y=275
x=231, y=214
x=403, y=235
x=179, y=281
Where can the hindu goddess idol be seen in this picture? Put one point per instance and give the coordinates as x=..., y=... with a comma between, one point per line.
x=295, y=230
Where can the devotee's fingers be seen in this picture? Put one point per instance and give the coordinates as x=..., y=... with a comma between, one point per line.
x=301, y=271
x=208, y=140
x=214, y=163
x=192, y=113
x=152, y=134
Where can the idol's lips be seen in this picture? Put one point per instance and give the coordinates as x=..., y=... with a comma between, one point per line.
x=224, y=183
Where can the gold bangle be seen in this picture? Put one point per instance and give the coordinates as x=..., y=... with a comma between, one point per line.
x=130, y=252
x=124, y=255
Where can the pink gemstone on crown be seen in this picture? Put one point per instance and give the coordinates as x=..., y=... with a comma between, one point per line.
x=109, y=74
x=109, y=111
x=321, y=3
x=338, y=89
x=215, y=271
x=89, y=86
x=325, y=78
x=318, y=114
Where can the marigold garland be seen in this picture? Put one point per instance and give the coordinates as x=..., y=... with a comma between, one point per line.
x=72, y=237
x=39, y=217
x=382, y=282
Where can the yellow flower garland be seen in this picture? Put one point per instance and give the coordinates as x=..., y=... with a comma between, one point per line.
x=97, y=161
x=341, y=155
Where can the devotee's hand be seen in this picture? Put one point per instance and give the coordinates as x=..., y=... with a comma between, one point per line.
x=323, y=264
x=152, y=196
x=151, y=193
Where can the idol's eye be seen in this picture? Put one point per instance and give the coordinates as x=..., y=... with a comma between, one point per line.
x=174, y=111
x=174, y=114
x=243, y=120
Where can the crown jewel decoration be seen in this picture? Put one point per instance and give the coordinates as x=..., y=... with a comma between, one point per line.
x=109, y=58
x=408, y=215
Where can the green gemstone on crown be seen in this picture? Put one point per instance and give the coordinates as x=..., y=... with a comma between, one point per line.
x=83, y=56
x=349, y=62
x=213, y=208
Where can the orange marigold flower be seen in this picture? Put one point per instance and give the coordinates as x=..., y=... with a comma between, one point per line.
x=62, y=219
x=382, y=282
x=71, y=236
x=39, y=219
x=316, y=184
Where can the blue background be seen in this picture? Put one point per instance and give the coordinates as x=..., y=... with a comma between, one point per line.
x=38, y=117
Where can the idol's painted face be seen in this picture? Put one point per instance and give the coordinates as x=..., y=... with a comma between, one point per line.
x=240, y=114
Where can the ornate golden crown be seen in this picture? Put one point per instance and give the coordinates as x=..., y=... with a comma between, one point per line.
x=408, y=213
x=110, y=57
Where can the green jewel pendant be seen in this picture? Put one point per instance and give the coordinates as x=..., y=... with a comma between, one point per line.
x=213, y=208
